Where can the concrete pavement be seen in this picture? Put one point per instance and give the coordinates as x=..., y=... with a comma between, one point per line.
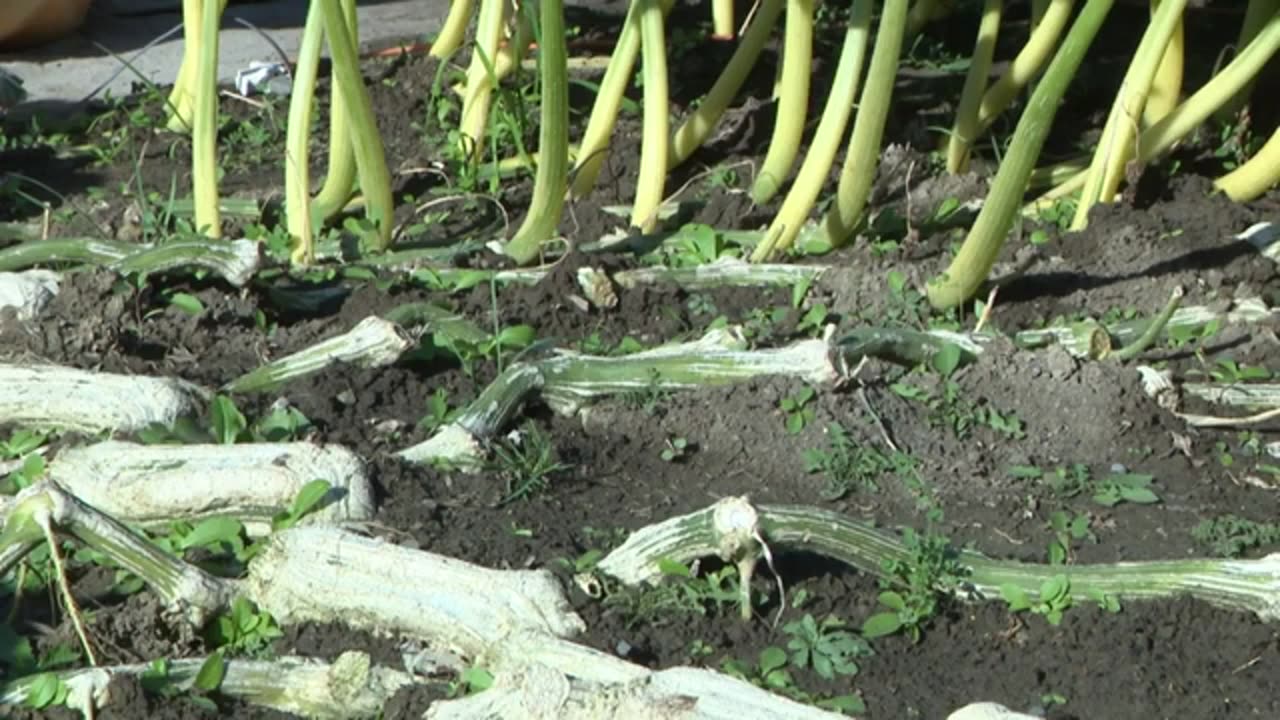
x=80, y=66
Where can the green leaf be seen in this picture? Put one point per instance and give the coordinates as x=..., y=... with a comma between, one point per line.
x=673, y=568
x=892, y=600
x=1016, y=597
x=211, y=531
x=227, y=420
x=189, y=304
x=1107, y=498
x=477, y=679
x=1054, y=589
x=309, y=498
x=516, y=336
x=847, y=704
x=947, y=359
x=881, y=624
x=43, y=690
x=1140, y=495
x=1057, y=553
x=212, y=670
x=772, y=658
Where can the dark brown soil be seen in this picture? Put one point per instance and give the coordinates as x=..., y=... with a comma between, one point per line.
x=1159, y=659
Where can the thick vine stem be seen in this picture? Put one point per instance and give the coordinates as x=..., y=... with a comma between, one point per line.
x=1255, y=177
x=350, y=687
x=1246, y=585
x=568, y=381
x=340, y=175
x=236, y=261
x=373, y=342
x=1027, y=63
x=184, y=589
x=92, y=402
x=154, y=485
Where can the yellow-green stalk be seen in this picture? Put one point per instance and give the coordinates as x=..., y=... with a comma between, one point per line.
x=804, y=191
x=480, y=74
x=1116, y=146
x=971, y=264
x=966, y=129
x=926, y=11
x=297, y=163
x=860, y=163
x=1033, y=56
x=181, y=100
x=371, y=160
x=339, y=182
x=204, y=127
x=454, y=30
x=543, y=219
x=722, y=20
x=517, y=46
x=1167, y=84
x=793, y=102
x=1255, y=177
x=1195, y=110
x=604, y=113
x=699, y=124
x=1256, y=15
x=656, y=128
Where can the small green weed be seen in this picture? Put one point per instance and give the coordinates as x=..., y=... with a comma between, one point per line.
x=912, y=588
x=526, y=462
x=798, y=409
x=676, y=449
x=1231, y=535
x=1067, y=529
x=1052, y=601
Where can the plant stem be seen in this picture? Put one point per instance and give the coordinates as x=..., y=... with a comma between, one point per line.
x=657, y=119
x=297, y=152
x=971, y=264
x=479, y=90
x=543, y=218
x=339, y=182
x=1256, y=15
x=722, y=20
x=204, y=128
x=181, y=100
x=1167, y=84
x=699, y=124
x=604, y=113
x=454, y=30
x=1027, y=64
x=859, y=169
x=826, y=140
x=371, y=160
x=966, y=128
x=793, y=102
x=1117, y=145
x=1152, y=333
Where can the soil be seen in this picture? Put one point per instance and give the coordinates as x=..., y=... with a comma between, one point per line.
x=1155, y=659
